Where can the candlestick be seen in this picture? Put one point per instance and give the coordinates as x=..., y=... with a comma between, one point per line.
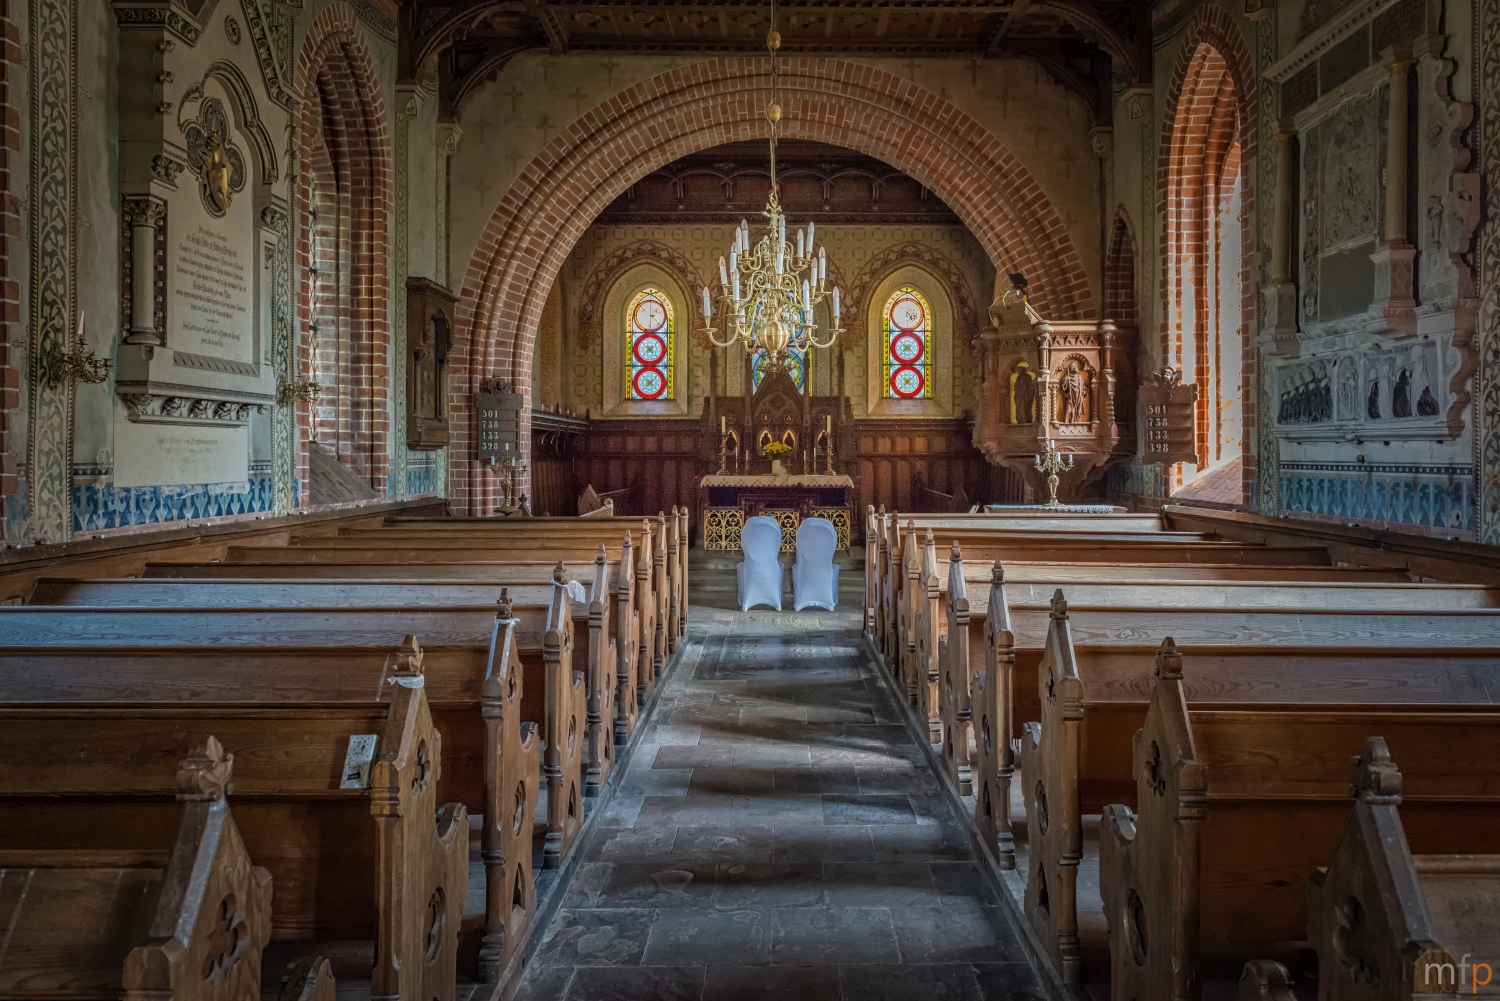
x=708, y=307
x=723, y=425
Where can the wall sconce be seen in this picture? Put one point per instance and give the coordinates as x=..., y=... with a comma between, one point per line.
x=291, y=393
x=79, y=364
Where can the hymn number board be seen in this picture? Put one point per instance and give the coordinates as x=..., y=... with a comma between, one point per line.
x=1168, y=419
x=499, y=416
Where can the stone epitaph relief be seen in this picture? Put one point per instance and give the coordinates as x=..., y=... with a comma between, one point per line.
x=1349, y=190
x=429, y=340
x=1395, y=392
x=214, y=157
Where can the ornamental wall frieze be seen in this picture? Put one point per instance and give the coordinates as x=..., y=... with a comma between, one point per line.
x=922, y=255
x=160, y=408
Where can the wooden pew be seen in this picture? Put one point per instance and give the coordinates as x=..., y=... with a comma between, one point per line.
x=1429, y=913
x=650, y=657
x=185, y=920
x=1237, y=805
x=371, y=859
x=1092, y=698
x=590, y=618
x=412, y=583
x=472, y=681
x=669, y=553
x=308, y=979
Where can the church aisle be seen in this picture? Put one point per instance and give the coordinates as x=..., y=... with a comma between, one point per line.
x=778, y=835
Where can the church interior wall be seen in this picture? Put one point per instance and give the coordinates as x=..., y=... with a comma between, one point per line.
x=1318, y=360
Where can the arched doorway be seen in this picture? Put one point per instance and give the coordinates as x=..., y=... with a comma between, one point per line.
x=722, y=100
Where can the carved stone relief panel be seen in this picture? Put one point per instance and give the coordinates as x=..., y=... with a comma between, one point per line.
x=1311, y=242
x=1395, y=392
x=1448, y=210
x=1348, y=189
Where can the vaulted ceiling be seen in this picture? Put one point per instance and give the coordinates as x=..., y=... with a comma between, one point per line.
x=1086, y=45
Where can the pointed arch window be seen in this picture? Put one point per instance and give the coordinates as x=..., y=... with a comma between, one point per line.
x=907, y=328
x=650, y=343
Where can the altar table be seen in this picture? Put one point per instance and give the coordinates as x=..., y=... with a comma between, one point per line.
x=727, y=499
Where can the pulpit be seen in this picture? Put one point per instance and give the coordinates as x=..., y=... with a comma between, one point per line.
x=1047, y=386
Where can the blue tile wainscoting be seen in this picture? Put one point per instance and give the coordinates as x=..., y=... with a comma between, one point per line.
x=1423, y=496
x=422, y=474
x=99, y=505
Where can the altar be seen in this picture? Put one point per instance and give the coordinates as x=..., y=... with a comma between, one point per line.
x=727, y=499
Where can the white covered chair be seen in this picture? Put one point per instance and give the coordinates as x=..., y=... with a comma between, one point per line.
x=759, y=575
x=815, y=577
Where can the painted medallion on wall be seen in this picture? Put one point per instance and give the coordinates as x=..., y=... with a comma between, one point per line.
x=214, y=157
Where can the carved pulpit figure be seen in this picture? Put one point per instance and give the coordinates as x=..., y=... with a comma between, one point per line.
x=1024, y=388
x=1075, y=395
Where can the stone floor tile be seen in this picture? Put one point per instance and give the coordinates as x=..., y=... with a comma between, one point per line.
x=657, y=885
x=958, y=932
x=873, y=811
x=733, y=781
x=723, y=844
x=793, y=983
x=1007, y=982
x=544, y=983
x=816, y=936
x=757, y=885
x=596, y=937
x=630, y=844
x=638, y=983
x=820, y=842
x=725, y=938
x=816, y=780
x=695, y=756
x=588, y=880
x=946, y=982
x=879, y=884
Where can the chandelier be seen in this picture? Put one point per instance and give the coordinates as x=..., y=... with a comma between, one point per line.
x=768, y=291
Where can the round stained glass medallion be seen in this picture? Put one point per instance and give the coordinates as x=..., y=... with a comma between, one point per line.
x=650, y=349
x=907, y=382
x=649, y=384
x=650, y=315
x=906, y=348
x=907, y=313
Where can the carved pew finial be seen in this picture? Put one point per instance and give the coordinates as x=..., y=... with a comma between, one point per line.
x=957, y=555
x=1377, y=780
x=506, y=609
x=1169, y=660
x=207, y=776
x=601, y=556
x=559, y=573
x=997, y=573
x=408, y=659
x=1059, y=605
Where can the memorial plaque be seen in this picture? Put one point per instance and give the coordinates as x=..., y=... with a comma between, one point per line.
x=163, y=454
x=498, y=412
x=1168, y=419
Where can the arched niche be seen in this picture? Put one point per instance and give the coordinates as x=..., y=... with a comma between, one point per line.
x=940, y=339
x=616, y=299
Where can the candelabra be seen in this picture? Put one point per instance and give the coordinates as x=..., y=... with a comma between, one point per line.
x=508, y=468
x=1052, y=465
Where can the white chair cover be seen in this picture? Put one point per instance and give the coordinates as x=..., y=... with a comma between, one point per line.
x=759, y=575
x=815, y=577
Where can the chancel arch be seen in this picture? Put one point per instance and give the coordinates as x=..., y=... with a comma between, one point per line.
x=597, y=157
x=343, y=203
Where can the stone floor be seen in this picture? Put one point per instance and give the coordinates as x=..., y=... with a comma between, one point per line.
x=778, y=835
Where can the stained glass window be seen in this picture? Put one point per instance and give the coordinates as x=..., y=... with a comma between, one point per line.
x=648, y=338
x=908, y=346
x=794, y=361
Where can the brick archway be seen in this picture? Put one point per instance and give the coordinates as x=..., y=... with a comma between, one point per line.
x=722, y=100
x=1209, y=135
x=343, y=144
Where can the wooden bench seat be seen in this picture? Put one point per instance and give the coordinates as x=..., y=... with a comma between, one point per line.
x=1259, y=798
x=649, y=577
x=1092, y=699
x=376, y=861
x=185, y=920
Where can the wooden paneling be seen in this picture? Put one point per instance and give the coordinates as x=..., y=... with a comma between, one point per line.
x=660, y=461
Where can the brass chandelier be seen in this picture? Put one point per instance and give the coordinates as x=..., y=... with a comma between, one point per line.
x=767, y=300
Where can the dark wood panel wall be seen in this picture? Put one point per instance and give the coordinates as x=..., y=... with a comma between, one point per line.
x=659, y=463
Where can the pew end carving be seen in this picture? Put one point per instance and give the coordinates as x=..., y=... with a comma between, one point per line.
x=564, y=737
x=308, y=979
x=991, y=713
x=422, y=849
x=512, y=780
x=1049, y=766
x=1148, y=861
x=955, y=678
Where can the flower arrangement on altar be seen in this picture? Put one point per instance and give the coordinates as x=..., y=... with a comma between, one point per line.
x=775, y=449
